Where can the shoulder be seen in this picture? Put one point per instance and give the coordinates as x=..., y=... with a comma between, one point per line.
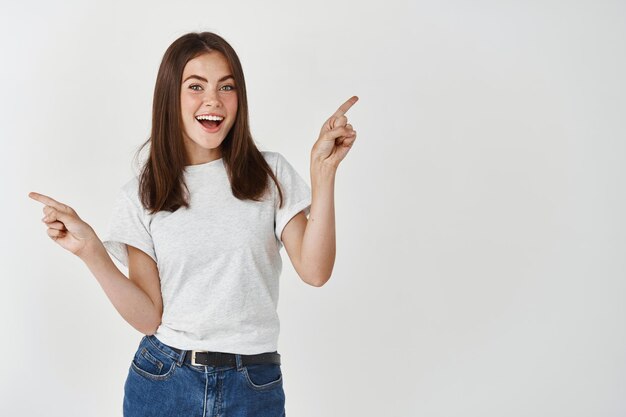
x=130, y=187
x=272, y=158
x=275, y=160
x=129, y=192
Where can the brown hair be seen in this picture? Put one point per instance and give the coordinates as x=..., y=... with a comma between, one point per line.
x=161, y=179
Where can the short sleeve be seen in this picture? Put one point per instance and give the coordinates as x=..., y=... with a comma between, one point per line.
x=296, y=195
x=128, y=225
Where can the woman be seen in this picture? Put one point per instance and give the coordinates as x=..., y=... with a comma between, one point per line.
x=200, y=230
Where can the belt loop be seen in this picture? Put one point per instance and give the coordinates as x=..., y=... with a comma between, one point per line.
x=238, y=361
x=181, y=357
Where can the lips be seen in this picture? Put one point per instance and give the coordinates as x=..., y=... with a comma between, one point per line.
x=210, y=126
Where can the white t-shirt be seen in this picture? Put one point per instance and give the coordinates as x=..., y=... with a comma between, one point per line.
x=218, y=260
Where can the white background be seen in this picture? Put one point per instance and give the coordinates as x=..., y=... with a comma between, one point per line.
x=481, y=266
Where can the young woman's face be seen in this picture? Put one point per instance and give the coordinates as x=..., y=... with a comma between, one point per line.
x=207, y=90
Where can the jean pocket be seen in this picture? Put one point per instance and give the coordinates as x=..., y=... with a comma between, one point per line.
x=263, y=376
x=151, y=363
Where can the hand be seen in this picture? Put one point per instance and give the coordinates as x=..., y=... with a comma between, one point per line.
x=64, y=225
x=336, y=137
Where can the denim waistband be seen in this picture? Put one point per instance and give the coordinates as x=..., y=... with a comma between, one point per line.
x=237, y=360
x=168, y=350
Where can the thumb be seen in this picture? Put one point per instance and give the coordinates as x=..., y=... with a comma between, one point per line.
x=71, y=221
x=338, y=122
x=336, y=133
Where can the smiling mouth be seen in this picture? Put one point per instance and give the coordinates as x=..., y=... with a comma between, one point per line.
x=210, y=124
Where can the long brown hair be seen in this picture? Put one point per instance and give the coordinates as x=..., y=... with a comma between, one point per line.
x=161, y=179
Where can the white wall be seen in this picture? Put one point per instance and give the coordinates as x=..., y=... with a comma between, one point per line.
x=480, y=215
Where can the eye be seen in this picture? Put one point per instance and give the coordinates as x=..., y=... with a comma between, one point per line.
x=230, y=87
x=195, y=85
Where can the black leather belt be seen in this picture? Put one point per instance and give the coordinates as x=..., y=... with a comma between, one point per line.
x=203, y=357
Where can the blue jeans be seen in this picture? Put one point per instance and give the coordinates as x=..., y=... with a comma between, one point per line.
x=160, y=383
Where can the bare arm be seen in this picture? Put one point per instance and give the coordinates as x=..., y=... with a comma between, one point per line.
x=68, y=230
x=311, y=244
x=133, y=304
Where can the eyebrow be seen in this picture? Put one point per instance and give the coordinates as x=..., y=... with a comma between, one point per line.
x=224, y=78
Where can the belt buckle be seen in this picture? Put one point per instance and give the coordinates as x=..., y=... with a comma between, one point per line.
x=193, y=357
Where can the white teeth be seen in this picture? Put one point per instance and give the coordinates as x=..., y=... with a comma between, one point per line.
x=205, y=117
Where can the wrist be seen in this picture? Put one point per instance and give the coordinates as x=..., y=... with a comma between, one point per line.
x=322, y=175
x=92, y=251
x=322, y=169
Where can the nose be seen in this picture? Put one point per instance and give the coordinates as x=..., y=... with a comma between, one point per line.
x=212, y=99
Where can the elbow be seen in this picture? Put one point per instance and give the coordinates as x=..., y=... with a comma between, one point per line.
x=149, y=331
x=316, y=276
x=316, y=282
x=152, y=329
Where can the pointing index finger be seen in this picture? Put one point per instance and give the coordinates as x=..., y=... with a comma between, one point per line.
x=46, y=200
x=345, y=106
